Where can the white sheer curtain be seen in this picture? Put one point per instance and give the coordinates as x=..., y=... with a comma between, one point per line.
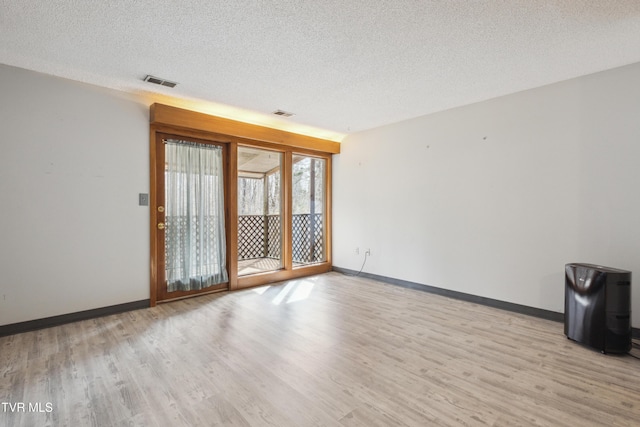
x=195, y=238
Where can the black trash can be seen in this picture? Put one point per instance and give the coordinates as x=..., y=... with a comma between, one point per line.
x=597, y=307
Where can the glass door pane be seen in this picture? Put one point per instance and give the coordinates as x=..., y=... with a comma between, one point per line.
x=259, y=215
x=308, y=202
x=190, y=246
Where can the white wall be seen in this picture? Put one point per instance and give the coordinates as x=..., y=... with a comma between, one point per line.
x=73, y=159
x=494, y=198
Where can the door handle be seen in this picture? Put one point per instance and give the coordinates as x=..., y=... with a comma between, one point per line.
x=161, y=226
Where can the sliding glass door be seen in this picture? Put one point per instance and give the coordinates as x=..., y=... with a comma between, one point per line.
x=234, y=205
x=308, y=208
x=259, y=211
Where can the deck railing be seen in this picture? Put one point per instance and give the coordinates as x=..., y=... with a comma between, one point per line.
x=259, y=236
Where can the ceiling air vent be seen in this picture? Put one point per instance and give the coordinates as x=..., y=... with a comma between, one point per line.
x=282, y=113
x=159, y=81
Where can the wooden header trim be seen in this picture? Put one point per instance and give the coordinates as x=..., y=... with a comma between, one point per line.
x=178, y=117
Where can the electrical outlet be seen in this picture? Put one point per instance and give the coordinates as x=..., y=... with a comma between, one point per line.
x=368, y=252
x=357, y=251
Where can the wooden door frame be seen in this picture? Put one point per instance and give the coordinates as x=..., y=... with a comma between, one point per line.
x=184, y=124
x=156, y=199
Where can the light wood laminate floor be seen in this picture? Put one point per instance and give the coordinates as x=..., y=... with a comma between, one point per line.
x=325, y=350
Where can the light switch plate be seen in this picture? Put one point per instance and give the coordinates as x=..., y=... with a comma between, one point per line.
x=143, y=199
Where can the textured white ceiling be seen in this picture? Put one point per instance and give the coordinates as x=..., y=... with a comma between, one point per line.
x=343, y=66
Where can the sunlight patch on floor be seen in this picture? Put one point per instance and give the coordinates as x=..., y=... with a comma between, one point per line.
x=260, y=290
x=293, y=291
